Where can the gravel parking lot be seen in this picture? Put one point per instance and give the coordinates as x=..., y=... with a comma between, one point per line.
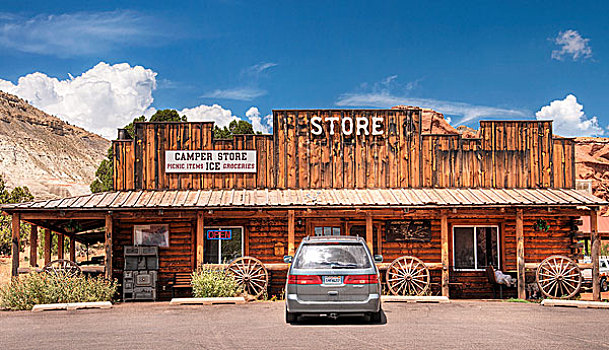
x=460, y=324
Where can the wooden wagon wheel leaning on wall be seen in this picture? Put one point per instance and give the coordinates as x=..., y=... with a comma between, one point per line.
x=250, y=274
x=62, y=267
x=407, y=275
x=558, y=277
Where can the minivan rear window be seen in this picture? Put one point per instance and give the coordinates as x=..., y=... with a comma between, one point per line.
x=332, y=256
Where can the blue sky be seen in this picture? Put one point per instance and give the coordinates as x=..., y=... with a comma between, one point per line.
x=503, y=60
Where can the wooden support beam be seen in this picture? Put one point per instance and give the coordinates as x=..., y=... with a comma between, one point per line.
x=108, y=246
x=47, y=246
x=369, y=232
x=291, y=230
x=445, y=260
x=200, y=238
x=520, y=254
x=595, y=254
x=16, y=228
x=379, y=240
x=60, y=245
x=72, y=248
x=34, y=246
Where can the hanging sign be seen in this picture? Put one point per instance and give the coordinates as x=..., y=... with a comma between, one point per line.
x=219, y=235
x=409, y=231
x=210, y=161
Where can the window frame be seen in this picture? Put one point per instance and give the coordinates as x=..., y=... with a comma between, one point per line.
x=205, y=228
x=475, y=227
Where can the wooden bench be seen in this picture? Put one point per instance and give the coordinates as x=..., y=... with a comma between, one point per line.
x=181, y=280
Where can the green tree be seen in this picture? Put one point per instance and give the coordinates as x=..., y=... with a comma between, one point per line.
x=236, y=127
x=104, y=175
x=17, y=195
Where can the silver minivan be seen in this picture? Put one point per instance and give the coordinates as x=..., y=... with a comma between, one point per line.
x=332, y=276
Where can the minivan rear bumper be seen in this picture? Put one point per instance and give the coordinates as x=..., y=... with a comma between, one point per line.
x=296, y=305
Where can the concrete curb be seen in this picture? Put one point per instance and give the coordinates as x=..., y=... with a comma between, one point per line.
x=414, y=299
x=72, y=306
x=207, y=301
x=581, y=304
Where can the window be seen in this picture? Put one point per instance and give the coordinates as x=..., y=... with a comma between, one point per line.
x=327, y=231
x=223, y=244
x=475, y=247
x=334, y=256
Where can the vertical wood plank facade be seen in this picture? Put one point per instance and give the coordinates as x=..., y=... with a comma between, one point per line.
x=507, y=154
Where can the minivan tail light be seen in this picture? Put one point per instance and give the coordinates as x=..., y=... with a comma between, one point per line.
x=362, y=279
x=304, y=279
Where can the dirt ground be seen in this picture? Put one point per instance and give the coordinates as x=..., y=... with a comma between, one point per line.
x=260, y=325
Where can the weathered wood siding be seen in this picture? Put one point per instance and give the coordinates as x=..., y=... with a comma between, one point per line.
x=507, y=154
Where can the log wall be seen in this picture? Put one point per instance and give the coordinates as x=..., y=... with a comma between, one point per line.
x=507, y=154
x=262, y=234
x=178, y=257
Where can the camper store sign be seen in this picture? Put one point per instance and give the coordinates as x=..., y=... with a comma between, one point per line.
x=210, y=161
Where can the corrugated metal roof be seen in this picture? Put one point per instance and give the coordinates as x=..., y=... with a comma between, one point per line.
x=264, y=198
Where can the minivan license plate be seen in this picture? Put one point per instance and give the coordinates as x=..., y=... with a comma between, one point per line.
x=333, y=280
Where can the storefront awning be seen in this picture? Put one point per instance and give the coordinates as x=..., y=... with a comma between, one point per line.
x=300, y=198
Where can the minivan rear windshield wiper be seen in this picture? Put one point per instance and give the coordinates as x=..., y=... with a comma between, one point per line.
x=339, y=265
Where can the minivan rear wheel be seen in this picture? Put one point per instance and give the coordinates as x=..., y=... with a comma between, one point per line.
x=290, y=317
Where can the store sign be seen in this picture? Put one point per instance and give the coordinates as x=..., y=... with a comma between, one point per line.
x=219, y=235
x=348, y=125
x=210, y=161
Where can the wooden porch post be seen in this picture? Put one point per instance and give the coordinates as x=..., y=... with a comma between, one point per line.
x=72, y=248
x=200, y=238
x=445, y=264
x=108, y=246
x=595, y=254
x=60, y=245
x=16, y=227
x=291, y=229
x=47, y=246
x=520, y=254
x=369, y=232
x=33, y=246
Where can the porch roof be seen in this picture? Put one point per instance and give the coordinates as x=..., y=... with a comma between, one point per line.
x=303, y=198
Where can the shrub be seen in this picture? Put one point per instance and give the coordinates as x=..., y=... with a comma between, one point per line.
x=208, y=282
x=41, y=288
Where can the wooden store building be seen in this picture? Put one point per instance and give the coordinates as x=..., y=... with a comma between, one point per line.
x=505, y=199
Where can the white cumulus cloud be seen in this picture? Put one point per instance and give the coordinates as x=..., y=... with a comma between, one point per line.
x=214, y=113
x=259, y=123
x=107, y=97
x=569, y=118
x=571, y=44
x=100, y=100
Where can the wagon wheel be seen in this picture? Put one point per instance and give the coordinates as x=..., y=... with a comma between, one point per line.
x=407, y=275
x=559, y=277
x=62, y=267
x=250, y=274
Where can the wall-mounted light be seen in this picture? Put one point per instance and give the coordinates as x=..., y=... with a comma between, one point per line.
x=299, y=222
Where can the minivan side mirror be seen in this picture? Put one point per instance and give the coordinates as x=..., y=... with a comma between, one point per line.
x=287, y=259
x=377, y=258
